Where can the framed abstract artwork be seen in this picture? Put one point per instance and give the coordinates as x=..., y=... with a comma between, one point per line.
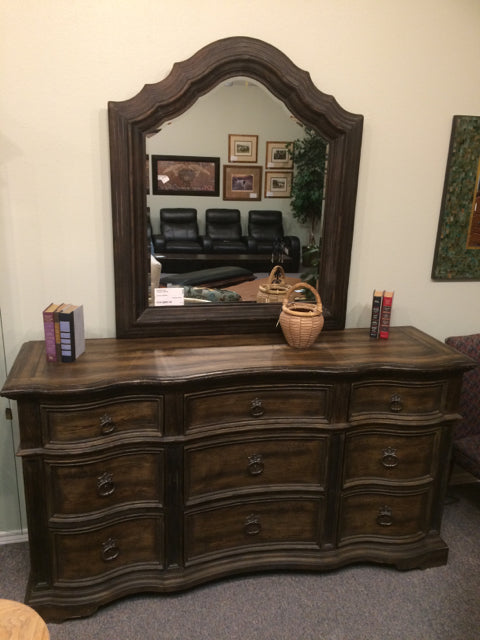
x=457, y=248
x=185, y=176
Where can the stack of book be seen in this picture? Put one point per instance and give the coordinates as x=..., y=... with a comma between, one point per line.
x=64, y=332
x=381, y=313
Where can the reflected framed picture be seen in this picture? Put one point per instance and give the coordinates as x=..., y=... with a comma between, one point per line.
x=278, y=184
x=242, y=183
x=185, y=176
x=242, y=148
x=457, y=248
x=278, y=156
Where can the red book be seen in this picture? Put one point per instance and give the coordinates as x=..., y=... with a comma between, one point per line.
x=49, y=330
x=385, y=314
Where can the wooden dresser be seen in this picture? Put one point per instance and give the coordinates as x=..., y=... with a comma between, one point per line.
x=151, y=467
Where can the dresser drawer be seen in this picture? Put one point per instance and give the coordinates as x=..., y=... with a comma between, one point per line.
x=80, y=486
x=396, y=399
x=93, y=553
x=254, y=464
x=275, y=524
x=77, y=423
x=257, y=404
x=390, y=455
x=369, y=516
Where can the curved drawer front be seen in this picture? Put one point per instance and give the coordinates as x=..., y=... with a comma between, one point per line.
x=397, y=399
x=370, y=516
x=253, y=464
x=94, y=553
x=391, y=456
x=273, y=525
x=257, y=404
x=81, y=486
x=76, y=423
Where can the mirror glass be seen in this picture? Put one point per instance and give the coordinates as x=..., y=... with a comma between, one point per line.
x=239, y=104
x=163, y=109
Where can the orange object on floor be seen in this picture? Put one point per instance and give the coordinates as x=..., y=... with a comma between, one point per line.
x=20, y=622
x=249, y=290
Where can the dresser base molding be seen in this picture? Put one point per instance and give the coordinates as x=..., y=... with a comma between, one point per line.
x=77, y=601
x=155, y=468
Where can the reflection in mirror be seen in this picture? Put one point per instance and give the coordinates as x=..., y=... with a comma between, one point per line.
x=205, y=132
x=132, y=121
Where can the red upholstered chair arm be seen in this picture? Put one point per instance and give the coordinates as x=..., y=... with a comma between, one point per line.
x=470, y=396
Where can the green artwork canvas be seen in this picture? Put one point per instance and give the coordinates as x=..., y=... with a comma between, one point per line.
x=457, y=250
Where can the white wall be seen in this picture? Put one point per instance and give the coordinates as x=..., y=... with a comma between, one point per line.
x=11, y=487
x=408, y=67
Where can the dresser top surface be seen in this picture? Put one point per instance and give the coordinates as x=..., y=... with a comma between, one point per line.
x=114, y=362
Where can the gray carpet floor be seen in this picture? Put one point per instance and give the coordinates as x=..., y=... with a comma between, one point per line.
x=359, y=602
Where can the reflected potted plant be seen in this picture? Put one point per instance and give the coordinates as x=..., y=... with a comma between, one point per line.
x=309, y=155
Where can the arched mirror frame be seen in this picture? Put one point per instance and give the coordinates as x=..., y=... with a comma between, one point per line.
x=130, y=120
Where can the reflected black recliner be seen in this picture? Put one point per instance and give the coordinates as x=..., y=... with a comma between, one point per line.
x=266, y=235
x=223, y=231
x=178, y=232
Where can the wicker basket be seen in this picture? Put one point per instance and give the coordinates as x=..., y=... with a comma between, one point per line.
x=275, y=288
x=301, y=321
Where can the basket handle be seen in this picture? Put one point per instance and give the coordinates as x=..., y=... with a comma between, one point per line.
x=302, y=285
x=273, y=273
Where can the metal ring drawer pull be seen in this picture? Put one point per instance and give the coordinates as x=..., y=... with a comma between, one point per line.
x=255, y=464
x=107, y=425
x=110, y=550
x=252, y=525
x=256, y=408
x=384, y=518
x=390, y=459
x=105, y=484
x=396, y=404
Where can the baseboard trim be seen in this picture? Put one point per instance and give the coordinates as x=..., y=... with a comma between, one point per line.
x=12, y=537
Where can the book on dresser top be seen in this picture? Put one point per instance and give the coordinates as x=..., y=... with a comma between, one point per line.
x=64, y=332
x=72, y=332
x=56, y=318
x=376, y=309
x=49, y=331
x=385, y=314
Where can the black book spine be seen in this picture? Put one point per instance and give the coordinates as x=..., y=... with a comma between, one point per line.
x=376, y=310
